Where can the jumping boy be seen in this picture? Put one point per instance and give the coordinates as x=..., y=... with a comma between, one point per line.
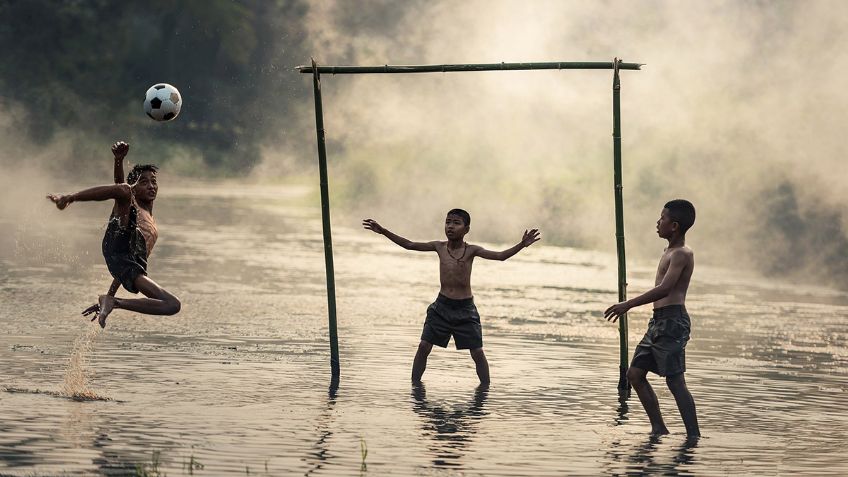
x=662, y=349
x=129, y=239
x=119, y=151
x=453, y=313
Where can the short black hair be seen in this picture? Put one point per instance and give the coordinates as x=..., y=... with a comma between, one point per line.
x=137, y=169
x=465, y=216
x=683, y=212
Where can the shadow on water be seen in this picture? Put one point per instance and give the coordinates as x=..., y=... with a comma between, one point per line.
x=451, y=428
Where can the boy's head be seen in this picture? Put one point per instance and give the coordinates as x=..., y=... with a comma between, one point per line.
x=142, y=178
x=457, y=224
x=677, y=216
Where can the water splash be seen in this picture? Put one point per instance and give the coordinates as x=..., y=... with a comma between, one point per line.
x=75, y=384
x=89, y=396
x=77, y=374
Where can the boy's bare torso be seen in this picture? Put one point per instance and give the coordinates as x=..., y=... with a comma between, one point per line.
x=677, y=296
x=455, y=270
x=144, y=221
x=148, y=229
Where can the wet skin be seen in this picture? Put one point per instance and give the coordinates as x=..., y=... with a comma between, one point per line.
x=142, y=194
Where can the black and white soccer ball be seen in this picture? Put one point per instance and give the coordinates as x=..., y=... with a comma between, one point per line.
x=162, y=102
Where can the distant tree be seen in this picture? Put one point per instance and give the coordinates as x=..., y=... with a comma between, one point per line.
x=85, y=65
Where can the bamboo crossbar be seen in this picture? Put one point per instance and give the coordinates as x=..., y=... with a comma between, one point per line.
x=562, y=65
x=616, y=65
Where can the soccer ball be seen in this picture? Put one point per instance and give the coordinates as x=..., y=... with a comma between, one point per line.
x=162, y=102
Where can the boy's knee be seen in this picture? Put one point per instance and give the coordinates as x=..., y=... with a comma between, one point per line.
x=174, y=304
x=424, y=348
x=636, y=375
x=675, y=382
x=477, y=354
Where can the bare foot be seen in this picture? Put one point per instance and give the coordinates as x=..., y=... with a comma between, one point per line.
x=106, y=303
x=659, y=432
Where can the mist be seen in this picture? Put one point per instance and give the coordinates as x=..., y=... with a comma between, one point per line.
x=738, y=109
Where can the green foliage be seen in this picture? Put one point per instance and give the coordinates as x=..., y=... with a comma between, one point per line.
x=84, y=66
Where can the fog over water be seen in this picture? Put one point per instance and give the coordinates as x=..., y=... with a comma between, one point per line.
x=739, y=108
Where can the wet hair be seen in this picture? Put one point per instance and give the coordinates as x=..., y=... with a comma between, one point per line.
x=136, y=171
x=683, y=212
x=462, y=214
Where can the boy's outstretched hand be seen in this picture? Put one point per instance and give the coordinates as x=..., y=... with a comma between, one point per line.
x=60, y=200
x=530, y=237
x=120, y=150
x=373, y=226
x=95, y=308
x=615, y=311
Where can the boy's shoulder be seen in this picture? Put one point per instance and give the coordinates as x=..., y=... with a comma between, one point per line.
x=683, y=252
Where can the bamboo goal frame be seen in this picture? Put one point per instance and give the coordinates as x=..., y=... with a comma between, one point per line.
x=616, y=65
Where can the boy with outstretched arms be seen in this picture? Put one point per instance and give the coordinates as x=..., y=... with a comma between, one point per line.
x=129, y=239
x=119, y=151
x=453, y=313
x=662, y=349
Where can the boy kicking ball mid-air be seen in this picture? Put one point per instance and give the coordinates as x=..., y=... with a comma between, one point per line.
x=453, y=313
x=662, y=350
x=129, y=239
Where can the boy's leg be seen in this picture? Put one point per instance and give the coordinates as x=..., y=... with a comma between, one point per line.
x=158, y=301
x=479, y=358
x=420, y=362
x=685, y=403
x=636, y=376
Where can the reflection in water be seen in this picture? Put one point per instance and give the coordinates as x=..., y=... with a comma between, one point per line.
x=451, y=428
x=651, y=457
x=622, y=410
x=320, y=454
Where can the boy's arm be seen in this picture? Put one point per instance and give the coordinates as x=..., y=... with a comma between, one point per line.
x=121, y=192
x=119, y=150
x=677, y=262
x=530, y=237
x=113, y=288
x=373, y=226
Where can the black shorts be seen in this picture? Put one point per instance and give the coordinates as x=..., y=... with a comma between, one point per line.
x=663, y=348
x=447, y=317
x=125, y=251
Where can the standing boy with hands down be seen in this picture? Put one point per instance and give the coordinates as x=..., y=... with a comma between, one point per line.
x=453, y=313
x=662, y=349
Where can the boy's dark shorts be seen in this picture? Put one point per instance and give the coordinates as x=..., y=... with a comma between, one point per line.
x=125, y=254
x=446, y=317
x=663, y=348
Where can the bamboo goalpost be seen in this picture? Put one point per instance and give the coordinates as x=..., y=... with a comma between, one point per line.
x=616, y=65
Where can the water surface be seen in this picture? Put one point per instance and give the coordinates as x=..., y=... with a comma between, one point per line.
x=238, y=382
